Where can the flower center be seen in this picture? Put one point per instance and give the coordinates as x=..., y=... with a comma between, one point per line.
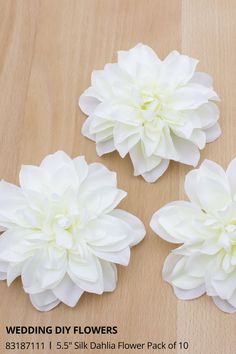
x=226, y=232
x=64, y=222
x=63, y=231
x=227, y=238
x=151, y=106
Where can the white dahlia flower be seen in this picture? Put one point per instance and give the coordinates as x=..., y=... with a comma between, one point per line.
x=154, y=110
x=206, y=226
x=63, y=233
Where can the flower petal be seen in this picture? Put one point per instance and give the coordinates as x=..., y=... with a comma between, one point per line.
x=88, y=101
x=120, y=257
x=33, y=178
x=156, y=172
x=124, y=147
x=174, y=222
x=213, y=133
x=190, y=187
x=169, y=264
x=125, y=137
x=122, y=113
x=3, y=276
x=189, y=98
x=124, y=131
x=208, y=186
x=203, y=79
x=98, y=177
x=85, y=267
x=175, y=274
x=232, y=300
x=86, y=129
x=177, y=69
x=186, y=151
x=14, y=270
x=100, y=84
x=140, y=54
x=86, y=273
x=109, y=272
x=81, y=168
x=105, y=147
x=3, y=270
x=63, y=238
x=107, y=234
x=198, y=137
x=223, y=305
x=17, y=245
x=44, y=301
x=67, y=292
x=208, y=114
x=11, y=200
x=186, y=282
x=189, y=294
x=53, y=162
x=100, y=125
x=141, y=163
x=45, y=269
x=231, y=175
x=135, y=226
x=225, y=288
x=101, y=201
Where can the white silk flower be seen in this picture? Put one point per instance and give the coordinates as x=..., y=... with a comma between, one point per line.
x=63, y=233
x=206, y=226
x=154, y=110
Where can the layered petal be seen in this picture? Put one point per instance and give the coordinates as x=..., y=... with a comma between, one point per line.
x=62, y=233
x=89, y=101
x=135, y=229
x=154, y=110
x=86, y=272
x=213, y=133
x=208, y=187
x=177, y=69
x=152, y=175
x=175, y=222
x=18, y=245
x=44, y=301
x=189, y=294
x=231, y=175
x=109, y=272
x=68, y=292
x=223, y=305
x=142, y=164
x=139, y=55
x=206, y=228
x=11, y=200
x=44, y=270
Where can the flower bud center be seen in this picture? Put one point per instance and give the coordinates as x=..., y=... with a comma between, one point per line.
x=228, y=236
x=152, y=104
x=63, y=222
x=230, y=228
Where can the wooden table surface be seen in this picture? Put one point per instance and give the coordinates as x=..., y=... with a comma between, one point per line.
x=48, y=50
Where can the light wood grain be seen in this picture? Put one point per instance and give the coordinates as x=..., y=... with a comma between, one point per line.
x=48, y=50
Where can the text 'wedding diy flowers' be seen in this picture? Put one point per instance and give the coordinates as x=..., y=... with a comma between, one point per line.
x=206, y=226
x=154, y=110
x=63, y=233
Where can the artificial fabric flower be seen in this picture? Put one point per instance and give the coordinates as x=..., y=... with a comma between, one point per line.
x=206, y=226
x=154, y=110
x=63, y=233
